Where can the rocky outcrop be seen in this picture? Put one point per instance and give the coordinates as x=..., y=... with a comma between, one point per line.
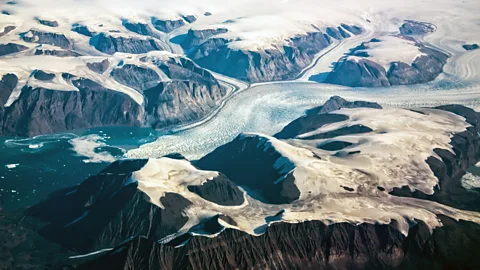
x=196, y=37
x=470, y=47
x=187, y=95
x=167, y=26
x=416, y=28
x=139, y=78
x=250, y=161
x=139, y=28
x=107, y=209
x=41, y=111
x=356, y=30
x=99, y=67
x=43, y=76
x=56, y=39
x=280, y=63
x=309, y=245
x=7, y=29
x=10, y=48
x=111, y=44
x=58, y=53
x=450, y=168
x=7, y=83
x=219, y=190
x=319, y=116
x=362, y=71
x=46, y=22
x=83, y=30
x=191, y=94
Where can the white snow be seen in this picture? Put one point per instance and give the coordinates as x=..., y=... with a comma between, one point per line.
x=390, y=49
x=86, y=146
x=12, y=166
x=393, y=155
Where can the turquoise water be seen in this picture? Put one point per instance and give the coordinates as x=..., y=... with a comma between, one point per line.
x=33, y=168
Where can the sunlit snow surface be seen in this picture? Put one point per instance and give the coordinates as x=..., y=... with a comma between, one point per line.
x=393, y=155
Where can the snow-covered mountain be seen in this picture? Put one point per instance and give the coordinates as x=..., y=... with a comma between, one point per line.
x=342, y=164
x=67, y=50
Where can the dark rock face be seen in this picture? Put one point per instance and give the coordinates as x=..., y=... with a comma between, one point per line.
x=335, y=33
x=219, y=190
x=355, y=129
x=249, y=162
x=191, y=95
x=167, y=26
x=196, y=37
x=43, y=76
x=83, y=30
x=11, y=48
x=136, y=77
x=7, y=84
x=165, y=104
x=189, y=18
x=336, y=103
x=58, y=53
x=334, y=145
x=7, y=29
x=110, y=44
x=361, y=73
x=99, y=67
x=42, y=111
x=48, y=22
x=34, y=36
x=470, y=47
x=107, y=209
x=274, y=64
x=450, y=168
x=139, y=28
x=319, y=116
x=416, y=28
x=308, y=123
x=356, y=30
x=366, y=73
x=310, y=245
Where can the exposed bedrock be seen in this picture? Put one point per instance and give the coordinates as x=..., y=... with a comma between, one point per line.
x=309, y=245
x=139, y=28
x=251, y=162
x=7, y=29
x=56, y=39
x=83, y=30
x=58, y=53
x=364, y=72
x=136, y=77
x=41, y=111
x=416, y=28
x=470, y=47
x=46, y=22
x=111, y=44
x=106, y=209
x=10, y=48
x=7, y=83
x=281, y=62
x=167, y=26
x=190, y=94
x=319, y=116
x=180, y=102
x=450, y=168
x=219, y=190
